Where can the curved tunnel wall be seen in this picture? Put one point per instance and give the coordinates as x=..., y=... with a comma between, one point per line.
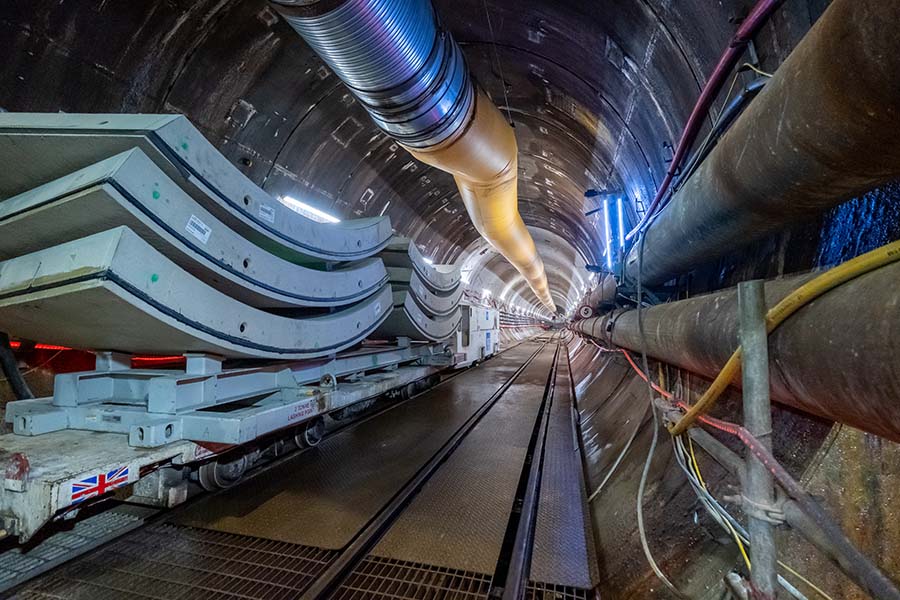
x=594, y=91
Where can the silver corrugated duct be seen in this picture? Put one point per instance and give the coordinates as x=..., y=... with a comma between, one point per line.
x=404, y=68
x=412, y=78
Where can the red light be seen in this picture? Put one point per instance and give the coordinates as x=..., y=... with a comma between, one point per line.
x=175, y=358
x=15, y=345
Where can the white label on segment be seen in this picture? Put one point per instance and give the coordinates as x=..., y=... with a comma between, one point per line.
x=198, y=229
x=377, y=308
x=267, y=213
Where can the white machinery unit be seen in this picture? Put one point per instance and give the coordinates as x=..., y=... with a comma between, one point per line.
x=478, y=336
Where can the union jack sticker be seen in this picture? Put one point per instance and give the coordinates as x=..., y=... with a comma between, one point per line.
x=97, y=485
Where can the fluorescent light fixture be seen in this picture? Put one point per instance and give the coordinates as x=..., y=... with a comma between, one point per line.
x=310, y=212
x=621, y=210
x=608, y=232
x=427, y=260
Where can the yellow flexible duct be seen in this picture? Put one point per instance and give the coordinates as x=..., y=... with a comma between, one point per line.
x=412, y=78
x=483, y=159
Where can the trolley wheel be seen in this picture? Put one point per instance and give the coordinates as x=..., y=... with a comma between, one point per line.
x=222, y=473
x=311, y=434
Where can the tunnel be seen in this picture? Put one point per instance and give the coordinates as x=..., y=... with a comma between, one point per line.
x=672, y=225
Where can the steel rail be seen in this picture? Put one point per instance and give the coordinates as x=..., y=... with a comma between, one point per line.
x=366, y=539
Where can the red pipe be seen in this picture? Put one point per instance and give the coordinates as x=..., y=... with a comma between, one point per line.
x=749, y=27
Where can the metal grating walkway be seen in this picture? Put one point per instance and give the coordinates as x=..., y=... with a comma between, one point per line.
x=564, y=552
x=18, y=565
x=388, y=579
x=459, y=518
x=168, y=562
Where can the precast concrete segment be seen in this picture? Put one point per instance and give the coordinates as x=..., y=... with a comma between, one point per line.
x=432, y=303
x=47, y=146
x=325, y=496
x=402, y=253
x=113, y=291
x=459, y=519
x=408, y=320
x=130, y=190
x=822, y=131
x=835, y=357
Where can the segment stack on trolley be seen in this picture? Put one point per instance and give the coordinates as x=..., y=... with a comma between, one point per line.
x=426, y=296
x=130, y=235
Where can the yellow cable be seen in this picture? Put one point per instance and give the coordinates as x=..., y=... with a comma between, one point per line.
x=740, y=544
x=739, y=540
x=734, y=533
x=694, y=460
x=794, y=301
x=756, y=70
x=805, y=580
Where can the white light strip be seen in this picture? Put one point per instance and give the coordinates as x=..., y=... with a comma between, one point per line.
x=310, y=212
x=606, y=228
x=621, y=223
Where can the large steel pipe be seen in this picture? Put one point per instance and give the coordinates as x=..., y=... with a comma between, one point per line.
x=836, y=357
x=823, y=130
x=604, y=293
x=412, y=78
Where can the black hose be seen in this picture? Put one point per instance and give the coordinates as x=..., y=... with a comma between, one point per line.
x=11, y=370
x=726, y=118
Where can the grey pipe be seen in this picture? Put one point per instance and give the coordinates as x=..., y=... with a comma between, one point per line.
x=759, y=488
x=821, y=532
x=836, y=357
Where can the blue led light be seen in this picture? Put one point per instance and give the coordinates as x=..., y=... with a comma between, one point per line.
x=608, y=230
x=621, y=212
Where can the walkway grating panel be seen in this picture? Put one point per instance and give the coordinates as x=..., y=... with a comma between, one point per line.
x=379, y=578
x=170, y=562
x=548, y=591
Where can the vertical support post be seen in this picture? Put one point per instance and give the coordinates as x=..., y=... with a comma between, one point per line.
x=112, y=361
x=759, y=488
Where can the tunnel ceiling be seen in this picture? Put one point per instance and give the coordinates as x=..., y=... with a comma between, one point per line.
x=594, y=90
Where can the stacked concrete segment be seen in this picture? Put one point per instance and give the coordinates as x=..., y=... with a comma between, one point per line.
x=47, y=146
x=426, y=296
x=132, y=233
x=130, y=190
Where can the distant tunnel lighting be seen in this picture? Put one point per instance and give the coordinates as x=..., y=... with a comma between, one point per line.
x=621, y=211
x=485, y=293
x=608, y=232
x=427, y=260
x=310, y=212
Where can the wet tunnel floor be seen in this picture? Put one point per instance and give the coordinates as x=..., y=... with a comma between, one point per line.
x=270, y=537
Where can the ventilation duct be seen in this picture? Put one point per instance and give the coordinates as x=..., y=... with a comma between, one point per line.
x=411, y=77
